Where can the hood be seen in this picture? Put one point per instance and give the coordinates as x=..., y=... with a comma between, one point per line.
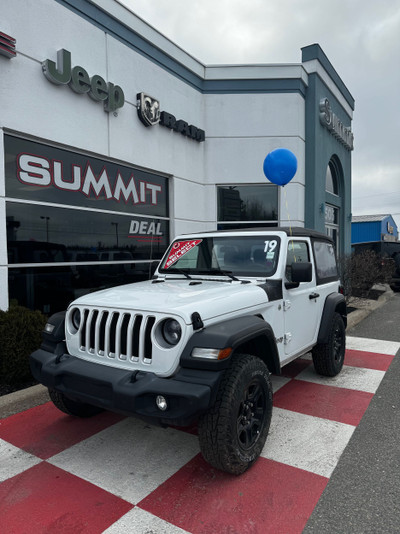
x=208, y=298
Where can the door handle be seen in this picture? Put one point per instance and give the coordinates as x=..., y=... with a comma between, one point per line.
x=313, y=296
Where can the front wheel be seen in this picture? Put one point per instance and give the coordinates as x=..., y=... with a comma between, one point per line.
x=232, y=434
x=328, y=357
x=71, y=407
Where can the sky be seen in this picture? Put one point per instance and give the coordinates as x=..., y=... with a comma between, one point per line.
x=361, y=38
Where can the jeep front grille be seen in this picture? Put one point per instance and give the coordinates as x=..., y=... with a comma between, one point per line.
x=117, y=335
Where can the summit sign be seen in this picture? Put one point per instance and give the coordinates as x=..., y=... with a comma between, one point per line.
x=43, y=173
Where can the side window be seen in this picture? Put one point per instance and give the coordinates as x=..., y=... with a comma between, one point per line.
x=325, y=261
x=297, y=252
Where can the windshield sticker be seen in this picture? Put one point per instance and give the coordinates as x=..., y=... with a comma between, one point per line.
x=179, y=249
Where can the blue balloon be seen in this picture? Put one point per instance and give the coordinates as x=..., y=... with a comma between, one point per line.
x=280, y=166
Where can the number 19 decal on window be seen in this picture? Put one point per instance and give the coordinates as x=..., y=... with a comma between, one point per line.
x=269, y=248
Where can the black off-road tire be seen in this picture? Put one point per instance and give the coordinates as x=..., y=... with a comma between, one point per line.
x=233, y=432
x=328, y=357
x=70, y=407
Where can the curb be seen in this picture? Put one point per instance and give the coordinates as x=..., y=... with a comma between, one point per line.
x=24, y=399
x=368, y=307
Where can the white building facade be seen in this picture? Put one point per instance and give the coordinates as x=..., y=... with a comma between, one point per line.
x=113, y=140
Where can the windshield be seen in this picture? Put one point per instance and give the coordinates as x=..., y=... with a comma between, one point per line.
x=238, y=255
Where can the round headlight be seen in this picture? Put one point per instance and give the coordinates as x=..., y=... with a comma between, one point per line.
x=171, y=331
x=76, y=318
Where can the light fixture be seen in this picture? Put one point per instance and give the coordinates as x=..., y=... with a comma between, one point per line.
x=161, y=402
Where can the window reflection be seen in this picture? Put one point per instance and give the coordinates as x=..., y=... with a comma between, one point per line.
x=66, y=235
x=51, y=289
x=248, y=203
x=88, y=251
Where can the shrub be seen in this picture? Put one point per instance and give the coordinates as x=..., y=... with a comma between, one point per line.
x=359, y=272
x=20, y=334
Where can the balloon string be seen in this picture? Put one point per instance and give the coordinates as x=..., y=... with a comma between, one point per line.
x=290, y=224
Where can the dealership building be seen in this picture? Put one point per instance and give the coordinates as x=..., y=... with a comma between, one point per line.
x=113, y=140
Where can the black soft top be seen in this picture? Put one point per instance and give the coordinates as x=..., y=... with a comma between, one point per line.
x=295, y=231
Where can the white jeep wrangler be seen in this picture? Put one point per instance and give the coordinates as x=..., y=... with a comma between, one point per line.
x=199, y=340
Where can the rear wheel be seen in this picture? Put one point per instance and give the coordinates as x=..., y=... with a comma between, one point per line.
x=328, y=357
x=232, y=434
x=70, y=407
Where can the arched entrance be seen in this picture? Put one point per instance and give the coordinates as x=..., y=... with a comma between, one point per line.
x=333, y=200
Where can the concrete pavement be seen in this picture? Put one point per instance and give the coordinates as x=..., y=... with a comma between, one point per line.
x=363, y=494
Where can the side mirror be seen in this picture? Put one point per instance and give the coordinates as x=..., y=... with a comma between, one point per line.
x=300, y=272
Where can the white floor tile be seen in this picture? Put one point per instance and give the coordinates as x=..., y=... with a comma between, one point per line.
x=357, y=378
x=130, y=459
x=14, y=461
x=306, y=442
x=139, y=521
x=278, y=382
x=372, y=345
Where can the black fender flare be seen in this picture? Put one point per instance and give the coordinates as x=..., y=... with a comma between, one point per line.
x=335, y=302
x=249, y=334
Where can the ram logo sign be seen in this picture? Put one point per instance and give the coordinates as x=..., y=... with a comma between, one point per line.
x=150, y=114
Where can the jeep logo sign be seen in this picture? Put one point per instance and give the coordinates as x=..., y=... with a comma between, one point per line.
x=148, y=109
x=79, y=81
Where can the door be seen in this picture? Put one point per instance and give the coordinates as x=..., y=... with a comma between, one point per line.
x=302, y=304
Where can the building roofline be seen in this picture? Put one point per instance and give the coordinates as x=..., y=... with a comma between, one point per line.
x=117, y=20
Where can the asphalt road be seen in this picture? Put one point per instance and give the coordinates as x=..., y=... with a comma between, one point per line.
x=363, y=494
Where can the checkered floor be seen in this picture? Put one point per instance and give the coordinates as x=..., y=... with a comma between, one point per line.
x=119, y=475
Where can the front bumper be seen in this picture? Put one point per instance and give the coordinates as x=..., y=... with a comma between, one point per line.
x=190, y=393
x=395, y=283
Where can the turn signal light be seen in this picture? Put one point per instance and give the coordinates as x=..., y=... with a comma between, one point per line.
x=211, y=354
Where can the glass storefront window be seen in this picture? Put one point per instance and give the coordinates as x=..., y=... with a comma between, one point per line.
x=331, y=184
x=76, y=223
x=51, y=289
x=45, y=234
x=247, y=203
x=332, y=214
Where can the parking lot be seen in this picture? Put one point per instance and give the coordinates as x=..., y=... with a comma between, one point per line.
x=119, y=475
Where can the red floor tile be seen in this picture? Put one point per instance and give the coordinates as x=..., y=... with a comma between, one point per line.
x=46, y=499
x=45, y=431
x=369, y=360
x=329, y=402
x=269, y=498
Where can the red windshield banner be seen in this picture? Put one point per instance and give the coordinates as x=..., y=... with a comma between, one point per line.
x=179, y=249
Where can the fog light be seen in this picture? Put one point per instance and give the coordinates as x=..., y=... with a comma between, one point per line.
x=161, y=403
